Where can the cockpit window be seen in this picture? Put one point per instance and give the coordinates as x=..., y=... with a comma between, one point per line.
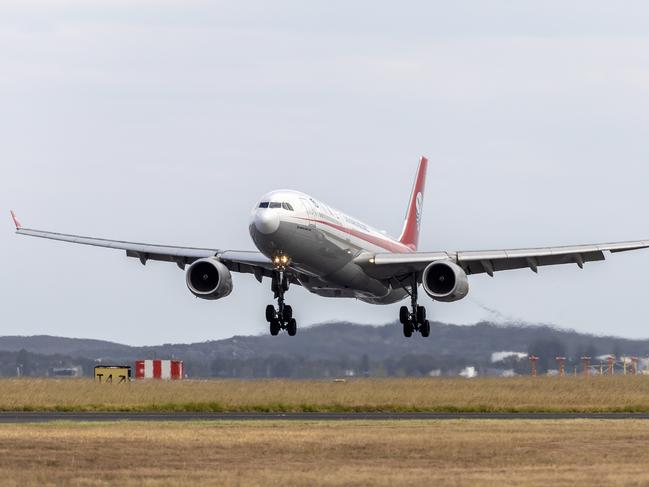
x=276, y=204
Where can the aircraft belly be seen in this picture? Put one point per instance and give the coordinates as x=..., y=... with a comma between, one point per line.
x=310, y=250
x=325, y=259
x=352, y=277
x=315, y=251
x=394, y=296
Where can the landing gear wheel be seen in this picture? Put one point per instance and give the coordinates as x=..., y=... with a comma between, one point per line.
x=413, y=318
x=275, y=327
x=407, y=329
x=291, y=327
x=288, y=313
x=404, y=315
x=270, y=313
x=280, y=318
x=424, y=329
x=421, y=315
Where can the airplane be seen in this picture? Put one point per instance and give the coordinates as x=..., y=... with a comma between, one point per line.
x=303, y=241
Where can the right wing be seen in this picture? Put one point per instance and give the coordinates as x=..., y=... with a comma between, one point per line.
x=235, y=260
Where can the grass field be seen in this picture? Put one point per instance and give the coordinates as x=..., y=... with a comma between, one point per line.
x=523, y=394
x=269, y=453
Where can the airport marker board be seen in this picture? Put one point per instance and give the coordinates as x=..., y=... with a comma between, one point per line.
x=112, y=374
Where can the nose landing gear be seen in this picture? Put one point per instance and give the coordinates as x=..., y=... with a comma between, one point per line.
x=282, y=317
x=415, y=319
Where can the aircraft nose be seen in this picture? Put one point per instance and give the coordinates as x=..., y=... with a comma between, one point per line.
x=266, y=221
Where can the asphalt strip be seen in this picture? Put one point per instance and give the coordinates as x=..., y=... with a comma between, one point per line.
x=45, y=417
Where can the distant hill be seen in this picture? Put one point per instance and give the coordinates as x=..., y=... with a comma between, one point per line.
x=333, y=349
x=49, y=345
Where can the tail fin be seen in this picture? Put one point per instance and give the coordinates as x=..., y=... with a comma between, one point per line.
x=410, y=234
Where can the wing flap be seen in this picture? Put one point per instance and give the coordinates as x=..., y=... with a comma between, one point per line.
x=133, y=249
x=249, y=262
x=476, y=262
x=388, y=266
x=489, y=266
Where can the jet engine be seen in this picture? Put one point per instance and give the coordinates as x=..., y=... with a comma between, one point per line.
x=445, y=281
x=209, y=279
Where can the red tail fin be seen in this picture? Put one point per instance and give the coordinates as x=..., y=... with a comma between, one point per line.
x=410, y=234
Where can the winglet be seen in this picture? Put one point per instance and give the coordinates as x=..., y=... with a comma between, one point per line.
x=16, y=220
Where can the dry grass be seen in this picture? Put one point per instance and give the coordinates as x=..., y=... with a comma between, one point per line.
x=535, y=453
x=525, y=394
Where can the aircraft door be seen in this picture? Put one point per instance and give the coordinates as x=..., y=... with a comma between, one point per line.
x=310, y=210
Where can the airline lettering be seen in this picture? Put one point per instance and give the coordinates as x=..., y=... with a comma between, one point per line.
x=357, y=224
x=378, y=240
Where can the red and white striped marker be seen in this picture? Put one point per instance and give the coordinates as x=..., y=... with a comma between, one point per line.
x=159, y=369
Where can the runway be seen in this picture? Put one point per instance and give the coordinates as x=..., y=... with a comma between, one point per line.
x=46, y=417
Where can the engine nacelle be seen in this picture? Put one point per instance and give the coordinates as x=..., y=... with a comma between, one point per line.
x=209, y=279
x=445, y=281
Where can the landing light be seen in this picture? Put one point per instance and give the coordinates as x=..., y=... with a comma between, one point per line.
x=281, y=260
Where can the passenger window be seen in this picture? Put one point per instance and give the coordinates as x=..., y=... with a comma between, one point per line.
x=275, y=204
x=263, y=204
x=287, y=206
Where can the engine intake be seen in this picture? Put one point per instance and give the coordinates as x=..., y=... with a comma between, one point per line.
x=445, y=281
x=209, y=279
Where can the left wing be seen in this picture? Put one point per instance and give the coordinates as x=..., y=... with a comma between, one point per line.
x=387, y=266
x=235, y=260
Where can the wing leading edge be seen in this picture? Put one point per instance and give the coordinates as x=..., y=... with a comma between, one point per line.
x=237, y=261
x=490, y=261
x=142, y=251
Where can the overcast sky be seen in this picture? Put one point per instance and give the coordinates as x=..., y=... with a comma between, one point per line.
x=164, y=121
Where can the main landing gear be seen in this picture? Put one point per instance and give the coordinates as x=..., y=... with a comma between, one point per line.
x=282, y=317
x=414, y=320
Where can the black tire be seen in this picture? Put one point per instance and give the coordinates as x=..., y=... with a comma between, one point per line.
x=424, y=329
x=421, y=315
x=274, y=327
x=291, y=327
x=270, y=313
x=288, y=313
x=404, y=315
x=407, y=329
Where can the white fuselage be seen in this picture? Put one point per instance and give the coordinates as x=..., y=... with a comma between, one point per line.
x=320, y=243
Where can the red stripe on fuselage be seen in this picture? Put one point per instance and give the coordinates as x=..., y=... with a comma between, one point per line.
x=384, y=243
